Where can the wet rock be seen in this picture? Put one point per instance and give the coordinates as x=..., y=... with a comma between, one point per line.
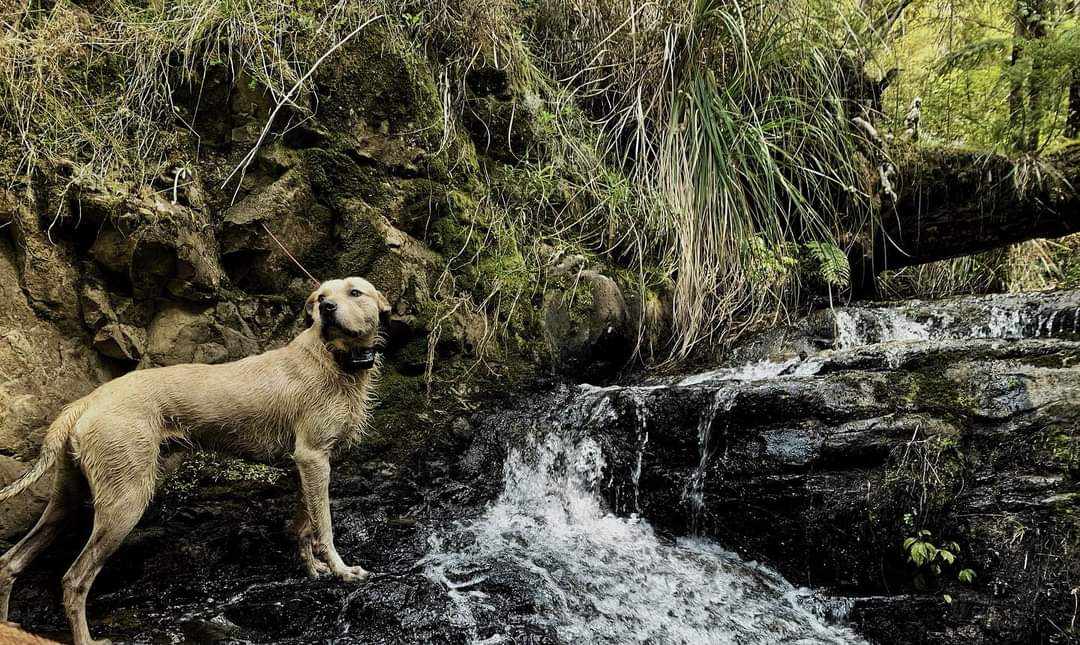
x=822, y=463
x=585, y=321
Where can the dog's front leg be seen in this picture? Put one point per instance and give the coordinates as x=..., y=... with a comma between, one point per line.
x=305, y=540
x=314, y=467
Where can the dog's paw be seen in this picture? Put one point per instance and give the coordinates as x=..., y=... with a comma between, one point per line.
x=316, y=568
x=354, y=574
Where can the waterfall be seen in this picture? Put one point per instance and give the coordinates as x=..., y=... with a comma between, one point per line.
x=594, y=577
x=1009, y=317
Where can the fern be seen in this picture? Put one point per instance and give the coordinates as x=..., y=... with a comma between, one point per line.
x=832, y=263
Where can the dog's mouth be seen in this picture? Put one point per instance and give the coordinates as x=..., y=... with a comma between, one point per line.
x=332, y=329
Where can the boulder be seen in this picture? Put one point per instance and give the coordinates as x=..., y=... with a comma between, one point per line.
x=181, y=333
x=585, y=322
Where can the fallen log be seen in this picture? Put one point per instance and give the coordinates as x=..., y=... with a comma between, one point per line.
x=952, y=203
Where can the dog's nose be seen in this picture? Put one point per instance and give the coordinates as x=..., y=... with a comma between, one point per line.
x=327, y=306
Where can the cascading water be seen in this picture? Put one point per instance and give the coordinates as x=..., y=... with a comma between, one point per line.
x=694, y=493
x=600, y=578
x=596, y=577
x=1009, y=317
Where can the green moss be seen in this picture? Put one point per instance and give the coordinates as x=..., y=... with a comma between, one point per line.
x=205, y=468
x=1064, y=448
x=930, y=389
x=402, y=417
x=581, y=301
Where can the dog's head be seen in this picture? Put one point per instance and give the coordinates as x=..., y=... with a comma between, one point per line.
x=346, y=313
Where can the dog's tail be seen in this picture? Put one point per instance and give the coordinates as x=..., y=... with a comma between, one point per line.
x=56, y=438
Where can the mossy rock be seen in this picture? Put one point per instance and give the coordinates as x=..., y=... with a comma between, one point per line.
x=381, y=79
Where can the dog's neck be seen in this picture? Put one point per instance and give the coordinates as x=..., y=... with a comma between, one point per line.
x=354, y=361
x=351, y=365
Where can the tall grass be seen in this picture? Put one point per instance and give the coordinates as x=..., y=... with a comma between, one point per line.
x=697, y=142
x=95, y=92
x=733, y=119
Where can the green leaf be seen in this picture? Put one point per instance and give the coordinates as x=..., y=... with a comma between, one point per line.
x=966, y=576
x=947, y=556
x=922, y=553
x=832, y=263
x=925, y=533
x=908, y=542
x=953, y=546
x=947, y=598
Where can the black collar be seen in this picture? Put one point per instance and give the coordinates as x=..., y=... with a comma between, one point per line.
x=356, y=360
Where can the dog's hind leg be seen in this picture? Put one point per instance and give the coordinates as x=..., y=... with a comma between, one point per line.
x=69, y=490
x=121, y=465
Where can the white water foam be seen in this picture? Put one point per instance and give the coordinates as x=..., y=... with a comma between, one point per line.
x=854, y=329
x=757, y=371
x=859, y=326
x=598, y=578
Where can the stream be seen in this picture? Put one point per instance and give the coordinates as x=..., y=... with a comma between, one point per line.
x=614, y=514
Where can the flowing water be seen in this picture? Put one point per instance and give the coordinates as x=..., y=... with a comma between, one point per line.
x=597, y=577
x=600, y=578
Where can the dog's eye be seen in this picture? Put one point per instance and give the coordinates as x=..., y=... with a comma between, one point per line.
x=321, y=298
x=355, y=293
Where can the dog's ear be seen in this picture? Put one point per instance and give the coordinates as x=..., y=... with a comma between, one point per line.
x=384, y=308
x=309, y=309
x=384, y=304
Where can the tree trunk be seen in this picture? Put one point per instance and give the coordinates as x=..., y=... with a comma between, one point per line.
x=1025, y=90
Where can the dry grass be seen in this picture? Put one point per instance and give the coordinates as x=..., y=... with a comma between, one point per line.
x=95, y=93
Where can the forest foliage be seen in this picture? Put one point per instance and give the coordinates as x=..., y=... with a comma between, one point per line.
x=705, y=146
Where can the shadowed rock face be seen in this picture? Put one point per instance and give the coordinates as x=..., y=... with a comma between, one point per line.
x=823, y=464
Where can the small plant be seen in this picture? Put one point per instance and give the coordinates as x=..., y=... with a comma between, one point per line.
x=928, y=558
x=831, y=263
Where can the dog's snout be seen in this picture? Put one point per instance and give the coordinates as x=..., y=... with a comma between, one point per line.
x=327, y=306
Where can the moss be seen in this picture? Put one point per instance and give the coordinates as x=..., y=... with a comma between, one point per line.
x=205, y=468
x=381, y=78
x=582, y=301
x=930, y=389
x=402, y=417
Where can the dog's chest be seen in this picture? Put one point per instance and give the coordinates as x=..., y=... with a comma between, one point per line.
x=346, y=417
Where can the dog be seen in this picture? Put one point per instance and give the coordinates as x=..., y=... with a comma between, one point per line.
x=302, y=399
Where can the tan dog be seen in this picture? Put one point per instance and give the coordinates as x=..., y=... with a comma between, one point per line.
x=304, y=398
